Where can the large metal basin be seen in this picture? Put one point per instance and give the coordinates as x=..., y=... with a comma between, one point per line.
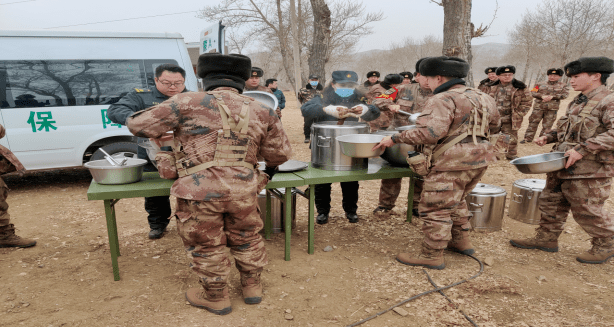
x=104, y=173
x=397, y=154
x=540, y=163
x=360, y=145
x=326, y=151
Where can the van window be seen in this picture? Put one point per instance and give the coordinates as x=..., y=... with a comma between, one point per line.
x=55, y=83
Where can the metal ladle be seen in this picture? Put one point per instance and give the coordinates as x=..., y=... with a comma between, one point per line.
x=412, y=117
x=112, y=160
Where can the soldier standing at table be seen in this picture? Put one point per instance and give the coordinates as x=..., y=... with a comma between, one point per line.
x=9, y=163
x=586, y=135
x=387, y=89
x=454, y=127
x=490, y=78
x=513, y=102
x=221, y=133
x=548, y=97
x=312, y=89
x=411, y=98
x=170, y=80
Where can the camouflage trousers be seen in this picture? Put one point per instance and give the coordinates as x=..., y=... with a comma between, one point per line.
x=443, y=206
x=506, y=128
x=584, y=197
x=207, y=228
x=391, y=188
x=546, y=117
x=4, y=206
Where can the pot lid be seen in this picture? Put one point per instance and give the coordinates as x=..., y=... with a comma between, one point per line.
x=487, y=189
x=531, y=183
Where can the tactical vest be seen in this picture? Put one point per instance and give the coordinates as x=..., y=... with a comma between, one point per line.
x=477, y=124
x=231, y=145
x=575, y=129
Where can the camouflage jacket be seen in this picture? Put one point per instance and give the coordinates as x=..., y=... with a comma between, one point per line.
x=411, y=98
x=440, y=120
x=385, y=117
x=513, y=101
x=558, y=91
x=485, y=84
x=593, y=138
x=308, y=92
x=195, y=114
x=258, y=88
x=6, y=153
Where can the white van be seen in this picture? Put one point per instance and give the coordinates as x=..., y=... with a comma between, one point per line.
x=56, y=87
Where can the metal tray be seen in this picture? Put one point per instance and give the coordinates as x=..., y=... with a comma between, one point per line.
x=288, y=166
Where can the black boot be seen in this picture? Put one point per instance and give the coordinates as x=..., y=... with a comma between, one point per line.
x=352, y=217
x=322, y=218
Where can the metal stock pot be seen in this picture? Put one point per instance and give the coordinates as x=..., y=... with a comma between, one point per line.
x=524, y=202
x=397, y=154
x=325, y=149
x=486, y=202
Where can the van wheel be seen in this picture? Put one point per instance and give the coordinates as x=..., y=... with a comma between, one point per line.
x=117, y=150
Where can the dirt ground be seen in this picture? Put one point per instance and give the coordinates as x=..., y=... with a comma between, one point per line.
x=66, y=280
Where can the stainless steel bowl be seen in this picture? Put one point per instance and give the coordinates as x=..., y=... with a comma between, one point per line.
x=540, y=163
x=104, y=173
x=360, y=145
x=397, y=154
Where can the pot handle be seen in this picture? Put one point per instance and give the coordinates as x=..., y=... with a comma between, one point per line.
x=479, y=206
x=517, y=196
x=323, y=142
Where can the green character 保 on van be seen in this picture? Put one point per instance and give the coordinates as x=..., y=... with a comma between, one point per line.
x=43, y=118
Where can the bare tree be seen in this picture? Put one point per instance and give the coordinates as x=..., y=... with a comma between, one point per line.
x=268, y=23
x=458, y=30
x=321, y=39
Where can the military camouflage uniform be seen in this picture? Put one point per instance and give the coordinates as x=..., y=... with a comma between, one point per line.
x=545, y=110
x=217, y=206
x=485, y=84
x=585, y=186
x=383, y=121
x=411, y=98
x=513, y=102
x=8, y=163
x=457, y=171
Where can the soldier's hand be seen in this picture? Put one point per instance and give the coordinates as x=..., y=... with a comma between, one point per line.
x=386, y=142
x=394, y=108
x=546, y=98
x=573, y=157
x=278, y=112
x=159, y=141
x=541, y=141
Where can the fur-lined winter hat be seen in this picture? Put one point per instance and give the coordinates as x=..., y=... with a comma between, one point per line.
x=505, y=70
x=590, y=65
x=444, y=66
x=407, y=75
x=218, y=69
x=393, y=79
x=418, y=65
x=256, y=72
x=490, y=70
x=373, y=73
x=554, y=71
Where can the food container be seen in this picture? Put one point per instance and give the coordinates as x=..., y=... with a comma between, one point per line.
x=325, y=150
x=540, y=163
x=524, y=200
x=487, y=203
x=104, y=173
x=396, y=155
x=360, y=145
x=278, y=209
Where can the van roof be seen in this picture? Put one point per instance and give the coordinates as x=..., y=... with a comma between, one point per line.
x=93, y=34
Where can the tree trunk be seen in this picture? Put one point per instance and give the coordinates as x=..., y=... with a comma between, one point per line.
x=283, y=45
x=457, y=31
x=321, y=35
x=527, y=66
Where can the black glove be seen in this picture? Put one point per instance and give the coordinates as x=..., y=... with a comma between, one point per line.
x=271, y=171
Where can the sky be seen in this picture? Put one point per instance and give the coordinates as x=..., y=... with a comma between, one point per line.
x=402, y=18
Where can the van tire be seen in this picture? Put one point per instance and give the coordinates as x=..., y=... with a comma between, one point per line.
x=128, y=149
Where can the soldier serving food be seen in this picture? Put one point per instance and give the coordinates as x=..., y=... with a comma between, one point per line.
x=454, y=128
x=339, y=101
x=218, y=135
x=586, y=135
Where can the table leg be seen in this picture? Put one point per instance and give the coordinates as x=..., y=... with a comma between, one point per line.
x=410, y=198
x=267, y=219
x=288, y=222
x=109, y=210
x=311, y=232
